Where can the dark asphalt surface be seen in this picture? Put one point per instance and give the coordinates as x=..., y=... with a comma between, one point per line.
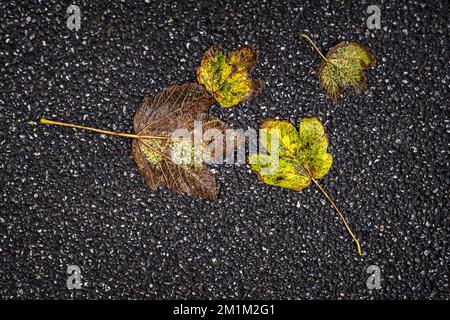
x=71, y=197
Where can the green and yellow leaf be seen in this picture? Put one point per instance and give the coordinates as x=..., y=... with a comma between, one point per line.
x=303, y=154
x=227, y=75
x=343, y=68
x=302, y=157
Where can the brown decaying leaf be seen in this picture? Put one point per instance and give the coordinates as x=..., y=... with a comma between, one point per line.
x=176, y=107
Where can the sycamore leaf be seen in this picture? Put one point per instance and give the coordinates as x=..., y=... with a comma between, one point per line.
x=303, y=154
x=302, y=157
x=164, y=158
x=167, y=160
x=343, y=68
x=227, y=75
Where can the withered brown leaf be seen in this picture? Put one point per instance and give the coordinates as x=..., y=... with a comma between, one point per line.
x=176, y=107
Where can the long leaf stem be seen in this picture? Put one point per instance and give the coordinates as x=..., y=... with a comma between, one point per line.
x=112, y=133
x=340, y=215
x=314, y=45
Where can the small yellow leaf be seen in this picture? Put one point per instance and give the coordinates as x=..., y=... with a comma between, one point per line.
x=227, y=75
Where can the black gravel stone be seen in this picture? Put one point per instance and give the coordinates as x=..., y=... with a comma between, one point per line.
x=73, y=197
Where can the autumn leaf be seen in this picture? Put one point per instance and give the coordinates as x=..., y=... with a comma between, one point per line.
x=162, y=158
x=343, y=68
x=227, y=75
x=176, y=107
x=303, y=154
x=302, y=158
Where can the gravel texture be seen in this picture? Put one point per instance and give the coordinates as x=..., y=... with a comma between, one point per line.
x=72, y=197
